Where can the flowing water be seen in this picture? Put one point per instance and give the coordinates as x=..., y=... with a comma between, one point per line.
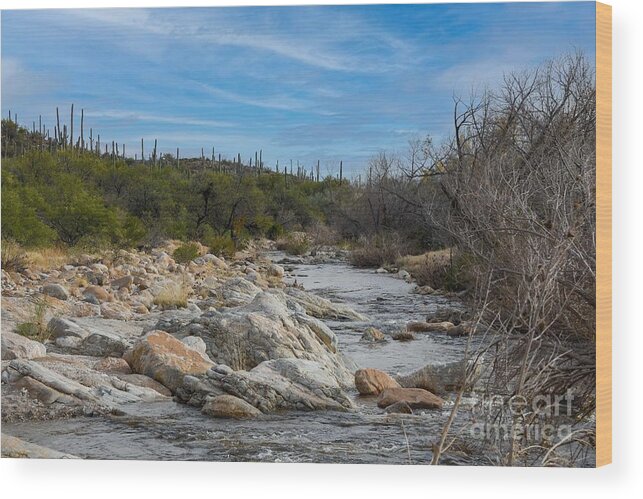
x=170, y=431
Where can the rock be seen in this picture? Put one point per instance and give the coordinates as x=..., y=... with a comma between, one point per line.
x=122, y=282
x=403, y=336
x=141, y=309
x=56, y=291
x=266, y=329
x=13, y=447
x=15, y=346
x=428, y=327
x=373, y=381
x=196, y=343
x=447, y=314
x=144, y=382
x=103, y=344
x=98, y=294
x=60, y=327
x=236, y=292
x=113, y=365
x=322, y=308
x=399, y=408
x=85, y=309
x=229, y=406
x=381, y=270
x=288, y=384
x=165, y=359
x=116, y=311
x=403, y=274
x=276, y=270
x=215, y=261
x=373, y=335
x=441, y=378
x=416, y=398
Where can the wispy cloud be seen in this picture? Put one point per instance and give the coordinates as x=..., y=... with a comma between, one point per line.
x=134, y=116
x=282, y=102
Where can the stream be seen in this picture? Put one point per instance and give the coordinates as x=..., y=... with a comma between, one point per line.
x=171, y=431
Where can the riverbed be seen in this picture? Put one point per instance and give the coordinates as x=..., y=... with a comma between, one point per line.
x=171, y=431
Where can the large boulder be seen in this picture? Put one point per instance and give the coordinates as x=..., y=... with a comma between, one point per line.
x=415, y=398
x=229, y=406
x=442, y=378
x=237, y=291
x=373, y=381
x=165, y=359
x=266, y=329
x=287, y=384
x=15, y=346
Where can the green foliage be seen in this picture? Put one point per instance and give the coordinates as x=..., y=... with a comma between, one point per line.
x=221, y=245
x=186, y=253
x=295, y=243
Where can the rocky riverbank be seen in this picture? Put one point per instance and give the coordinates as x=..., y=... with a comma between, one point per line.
x=232, y=338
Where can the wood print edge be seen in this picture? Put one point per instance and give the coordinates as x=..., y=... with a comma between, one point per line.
x=603, y=234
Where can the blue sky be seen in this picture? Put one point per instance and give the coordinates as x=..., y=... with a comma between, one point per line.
x=301, y=83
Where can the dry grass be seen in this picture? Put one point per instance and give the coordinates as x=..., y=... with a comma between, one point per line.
x=442, y=269
x=14, y=257
x=173, y=295
x=378, y=250
x=48, y=258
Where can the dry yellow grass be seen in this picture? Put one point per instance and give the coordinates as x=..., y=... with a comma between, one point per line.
x=47, y=258
x=173, y=295
x=428, y=268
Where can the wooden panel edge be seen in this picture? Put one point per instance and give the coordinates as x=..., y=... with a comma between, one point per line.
x=603, y=234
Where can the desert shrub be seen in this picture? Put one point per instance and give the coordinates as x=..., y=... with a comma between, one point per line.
x=36, y=327
x=173, y=295
x=186, y=253
x=446, y=269
x=378, y=250
x=275, y=231
x=221, y=245
x=323, y=235
x=295, y=243
x=13, y=256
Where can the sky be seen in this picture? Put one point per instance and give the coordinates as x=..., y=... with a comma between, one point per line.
x=309, y=83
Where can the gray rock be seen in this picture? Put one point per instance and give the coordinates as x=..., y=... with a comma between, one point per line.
x=288, y=384
x=56, y=291
x=122, y=282
x=266, y=329
x=442, y=378
x=15, y=346
x=60, y=327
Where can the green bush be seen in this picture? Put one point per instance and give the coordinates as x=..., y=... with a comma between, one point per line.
x=186, y=253
x=296, y=243
x=221, y=245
